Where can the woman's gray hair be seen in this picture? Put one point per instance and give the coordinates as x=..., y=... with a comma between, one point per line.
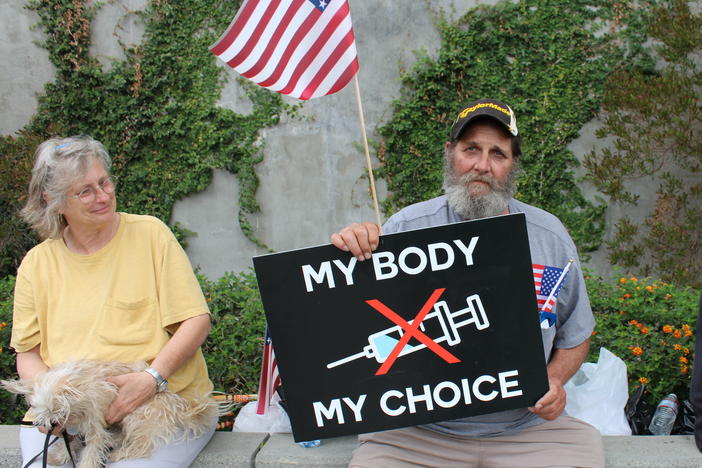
x=58, y=164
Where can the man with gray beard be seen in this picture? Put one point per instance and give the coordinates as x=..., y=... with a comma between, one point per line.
x=481, y=168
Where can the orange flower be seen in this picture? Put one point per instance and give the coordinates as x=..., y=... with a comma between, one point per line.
x=683, y=359
x=627, y=296
x=683, y=369
x=633, y=322
x=621, y=312
x=686, y=351
x=667, y=329
x=643, y=380
x=649, y=288
x=686, y=327
x=668, y=296
x=688, y=333
x=637, y=351
x=644, y=330
x=677, y=347
x=3, y=324
x=633, y=278
x=622, y=280
x=677, y=333
x=593, y=333
x=639, y=325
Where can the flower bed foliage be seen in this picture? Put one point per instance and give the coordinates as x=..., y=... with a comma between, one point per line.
x=649, y=324
x=233, y=348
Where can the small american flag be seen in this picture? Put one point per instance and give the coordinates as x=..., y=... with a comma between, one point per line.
x=270, y=380
x=548, y=281
x=301, y=48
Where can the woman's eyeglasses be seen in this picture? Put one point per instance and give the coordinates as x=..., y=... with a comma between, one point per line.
x=88, y=194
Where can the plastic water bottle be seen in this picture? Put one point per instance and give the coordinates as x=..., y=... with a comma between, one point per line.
x=310, y=443
x=664, y=417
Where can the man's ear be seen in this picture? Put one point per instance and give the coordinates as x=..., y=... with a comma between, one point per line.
x=20, y=387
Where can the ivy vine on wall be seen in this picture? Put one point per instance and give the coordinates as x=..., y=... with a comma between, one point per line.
x=156, y=110
x=549, y=60
x=654, y=117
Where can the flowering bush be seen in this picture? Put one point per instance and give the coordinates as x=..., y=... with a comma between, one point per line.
x=650, y=325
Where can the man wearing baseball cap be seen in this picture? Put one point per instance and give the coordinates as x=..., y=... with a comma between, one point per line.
x=481, y=167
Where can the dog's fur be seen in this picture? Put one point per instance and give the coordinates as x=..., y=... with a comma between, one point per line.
x=76, y=395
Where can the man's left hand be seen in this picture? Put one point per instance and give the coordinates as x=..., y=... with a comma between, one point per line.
x=135, y=389
x=552, y=404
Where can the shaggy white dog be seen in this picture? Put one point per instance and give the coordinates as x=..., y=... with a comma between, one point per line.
x=76, y=395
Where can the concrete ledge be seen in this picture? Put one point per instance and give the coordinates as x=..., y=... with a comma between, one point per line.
x=253, y=450
x=651, y=452
x=281, y=451
x=231, y=450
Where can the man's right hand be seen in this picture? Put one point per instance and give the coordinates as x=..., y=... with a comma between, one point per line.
x=361, y=239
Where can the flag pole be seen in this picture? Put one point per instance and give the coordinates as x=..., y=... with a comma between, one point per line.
x=365, y=147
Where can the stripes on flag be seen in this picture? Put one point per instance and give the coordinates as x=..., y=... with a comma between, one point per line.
x=301, y=48
x=269, y=380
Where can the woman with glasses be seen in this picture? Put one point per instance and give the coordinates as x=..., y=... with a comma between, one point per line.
x=106, y=285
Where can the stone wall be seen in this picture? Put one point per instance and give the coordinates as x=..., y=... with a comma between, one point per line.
x=313, y=176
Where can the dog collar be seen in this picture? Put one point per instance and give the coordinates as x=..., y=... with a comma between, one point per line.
x=161, y=383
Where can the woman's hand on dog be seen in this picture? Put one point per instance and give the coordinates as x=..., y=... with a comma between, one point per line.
x=56, y=431
x=135, y=389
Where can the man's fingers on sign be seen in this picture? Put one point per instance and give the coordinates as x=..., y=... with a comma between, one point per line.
x=361, y=239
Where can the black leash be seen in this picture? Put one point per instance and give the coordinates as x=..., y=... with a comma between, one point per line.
x=45, y=453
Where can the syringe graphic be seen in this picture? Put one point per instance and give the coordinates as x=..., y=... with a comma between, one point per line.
x=383, y=342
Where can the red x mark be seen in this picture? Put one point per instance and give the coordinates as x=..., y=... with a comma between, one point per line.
x=411, y=330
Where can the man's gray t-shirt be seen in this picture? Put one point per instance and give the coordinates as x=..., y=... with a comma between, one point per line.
x=550, y=245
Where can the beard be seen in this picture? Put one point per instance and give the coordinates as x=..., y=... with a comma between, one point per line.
x=471, y=206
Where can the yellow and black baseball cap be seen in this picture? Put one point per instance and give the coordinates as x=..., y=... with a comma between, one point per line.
x=485, y=108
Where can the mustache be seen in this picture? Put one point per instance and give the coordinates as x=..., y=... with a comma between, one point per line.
x=466, y=179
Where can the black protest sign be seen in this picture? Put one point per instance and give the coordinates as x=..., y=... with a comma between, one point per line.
x=441, y=323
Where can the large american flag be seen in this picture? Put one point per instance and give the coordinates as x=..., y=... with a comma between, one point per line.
x=546, y=278
x=270, y=380
x=301, y=48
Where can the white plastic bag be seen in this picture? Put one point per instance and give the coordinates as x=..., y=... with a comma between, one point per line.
x=598, y=393
x=275, y=419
